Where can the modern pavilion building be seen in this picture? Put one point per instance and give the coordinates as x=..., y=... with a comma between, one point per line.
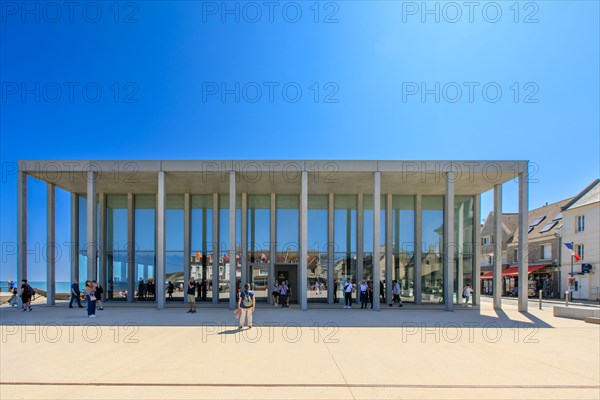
x=143, y=228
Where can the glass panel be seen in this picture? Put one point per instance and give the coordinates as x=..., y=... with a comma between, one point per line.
x=174, y=275
x=116, y=222
x=432, y=244
x=463, y=235
x=287, y=217
x=259, y=231
x=145, y=272
x=202, y=245
x=344, y=221
x=226, y=246
x=368, y=238
x=317, y=248
x=174, y=222
x=117, y=267
x=403, y=245
x=145, y=223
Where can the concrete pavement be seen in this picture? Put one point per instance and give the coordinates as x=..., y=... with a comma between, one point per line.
x=139, y=352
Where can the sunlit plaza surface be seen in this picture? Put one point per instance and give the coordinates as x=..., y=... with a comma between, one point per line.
x=325, y=352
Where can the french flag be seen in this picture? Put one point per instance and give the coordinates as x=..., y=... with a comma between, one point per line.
x=573, y=254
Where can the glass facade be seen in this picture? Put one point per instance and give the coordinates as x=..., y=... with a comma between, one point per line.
x=141, y=274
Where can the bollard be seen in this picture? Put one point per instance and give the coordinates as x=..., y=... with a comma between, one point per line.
x=540, y=299
x=567, y=298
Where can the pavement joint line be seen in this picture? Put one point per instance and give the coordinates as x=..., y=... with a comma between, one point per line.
x=310, y=385
x=332, y=357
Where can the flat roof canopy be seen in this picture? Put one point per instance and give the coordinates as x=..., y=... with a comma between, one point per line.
x=280, y=176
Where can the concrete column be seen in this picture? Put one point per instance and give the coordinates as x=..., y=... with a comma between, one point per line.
x=376, y=239
x=476, y=249
x=187, y=238
x=232, y=261
x=497, y=267
x=272, y=245
x=216, y=249
x=418, y=287
x=523, y=238
x=74, y=237
x=92, y=227
x=244, y=244
x=51, y=244
x=330, y=250
x=102, y=267
x=459, y=245
x=161, y=220
x=360, y=235
x=21, y=230
x=302, y=275
x=449, y=243
x=388, y=248
x=131, y=278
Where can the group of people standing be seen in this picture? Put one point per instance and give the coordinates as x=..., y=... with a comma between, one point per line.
x=281, y=294
x=93, y=296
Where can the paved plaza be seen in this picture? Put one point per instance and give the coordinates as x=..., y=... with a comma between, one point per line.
x=324, y=353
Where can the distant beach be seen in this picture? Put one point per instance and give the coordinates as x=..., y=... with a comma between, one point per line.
x=61, y=287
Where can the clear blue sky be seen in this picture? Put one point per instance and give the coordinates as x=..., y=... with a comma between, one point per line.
x=156, y=64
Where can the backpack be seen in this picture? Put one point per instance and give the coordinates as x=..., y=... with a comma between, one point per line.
x=247, y=299
x=30, y=291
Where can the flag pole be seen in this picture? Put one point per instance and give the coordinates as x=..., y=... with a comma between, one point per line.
x=572, y=262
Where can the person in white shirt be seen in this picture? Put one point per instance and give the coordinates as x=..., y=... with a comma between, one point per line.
x=467, y=294
x=348, y=286
x=363, y=293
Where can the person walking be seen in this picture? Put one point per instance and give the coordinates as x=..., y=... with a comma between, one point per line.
x=90, y=297
x=363, y=288
x=141, y=289
x=191, y=294
x=467, y=291
x=275, y=292
x=26, y=294
x=75, y=294
x=370, y=292
x=348, y=286
x=98, y=293
x=246, y=305
x=170, y=288
x=396, y=292
x=382, y=291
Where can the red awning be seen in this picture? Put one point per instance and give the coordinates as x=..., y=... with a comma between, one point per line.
x=487, y=275
x=514, y=271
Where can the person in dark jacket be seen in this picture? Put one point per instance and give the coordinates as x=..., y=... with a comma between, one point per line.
x=75, y=294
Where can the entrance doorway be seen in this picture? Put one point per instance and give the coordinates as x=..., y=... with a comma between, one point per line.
x=289, y=273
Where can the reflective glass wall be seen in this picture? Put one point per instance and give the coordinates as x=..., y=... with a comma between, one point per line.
x=317, y=284
x=259, y=236
x=201, y=258
x=464, y=250
x=145, y=244
x=344, y=221
x=432, y=239
x=226, y=246
x=368, y=207
x=403, y=245
x=116, y=247
x=174, y=247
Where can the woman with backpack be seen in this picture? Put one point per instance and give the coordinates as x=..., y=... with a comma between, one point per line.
x=26, y=295
x=246, y=304
x=283, y=294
